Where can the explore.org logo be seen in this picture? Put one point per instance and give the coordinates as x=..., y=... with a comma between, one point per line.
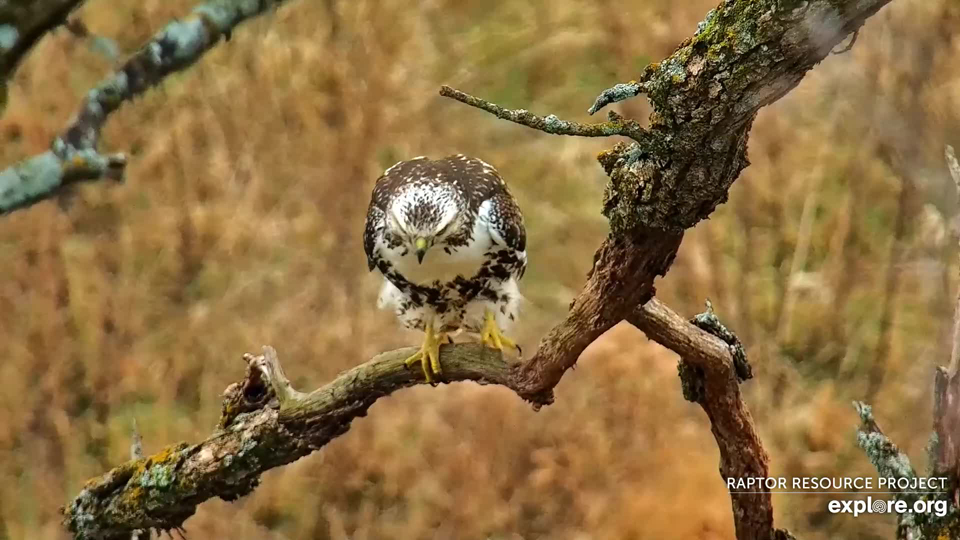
x=878, y=506
x=925, y=490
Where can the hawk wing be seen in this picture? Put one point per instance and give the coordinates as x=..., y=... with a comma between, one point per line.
x=374, y=226
x=479, y=182
x=506, y=222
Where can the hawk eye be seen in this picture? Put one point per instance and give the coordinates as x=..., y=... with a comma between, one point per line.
x=444, y=229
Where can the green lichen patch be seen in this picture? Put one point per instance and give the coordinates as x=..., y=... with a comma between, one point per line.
x=157, y=476
x=889, y=461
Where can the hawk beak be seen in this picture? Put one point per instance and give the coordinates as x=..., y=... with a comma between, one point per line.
x=421, y=245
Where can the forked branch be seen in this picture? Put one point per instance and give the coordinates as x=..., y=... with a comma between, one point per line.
x=266, y=423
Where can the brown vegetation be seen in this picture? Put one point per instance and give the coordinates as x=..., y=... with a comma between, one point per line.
x=239, y=225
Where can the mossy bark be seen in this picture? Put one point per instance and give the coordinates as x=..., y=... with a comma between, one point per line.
x=744, y=55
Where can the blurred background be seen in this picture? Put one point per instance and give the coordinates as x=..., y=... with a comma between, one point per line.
x=240, y=223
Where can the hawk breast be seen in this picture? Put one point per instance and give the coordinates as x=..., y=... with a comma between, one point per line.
x=443, y=262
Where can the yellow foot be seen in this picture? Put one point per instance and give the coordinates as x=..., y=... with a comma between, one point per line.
x=429, y=354
x=491, y=335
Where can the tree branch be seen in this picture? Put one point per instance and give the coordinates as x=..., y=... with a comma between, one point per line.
x=885, y=456
x=890, y=462
x=617, y=125
x=666, y=327
x=711, y=366
x=264, y=424
x=746, y=54
x=617, y=93
x=73, y=155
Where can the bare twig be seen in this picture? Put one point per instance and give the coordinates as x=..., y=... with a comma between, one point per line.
x=619, y=92
x=136, y=442
x=73, y=155
x=136, y=452
x=666, y=327
x=617, y=125
x=848, y=46
x=269, y=365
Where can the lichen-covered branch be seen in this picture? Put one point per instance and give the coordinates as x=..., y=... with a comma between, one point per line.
x=73, y=155
x=265, y=423
x=885, y=456
x=616, y=125
x=744, y=55
x=890, y=462
x=257, y=432
x=615, y=94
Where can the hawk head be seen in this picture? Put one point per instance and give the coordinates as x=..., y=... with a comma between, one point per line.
x=425, y=214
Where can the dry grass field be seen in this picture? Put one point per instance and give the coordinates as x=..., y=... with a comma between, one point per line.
x=239, y=225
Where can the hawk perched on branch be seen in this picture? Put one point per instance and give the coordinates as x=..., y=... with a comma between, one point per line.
x=449, y=239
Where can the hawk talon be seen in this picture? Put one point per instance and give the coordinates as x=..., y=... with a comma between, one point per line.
x=492, y=337
x=429, y=355
x=448, y=237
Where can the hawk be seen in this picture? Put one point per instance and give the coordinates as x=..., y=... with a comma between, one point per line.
x=449, y=239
